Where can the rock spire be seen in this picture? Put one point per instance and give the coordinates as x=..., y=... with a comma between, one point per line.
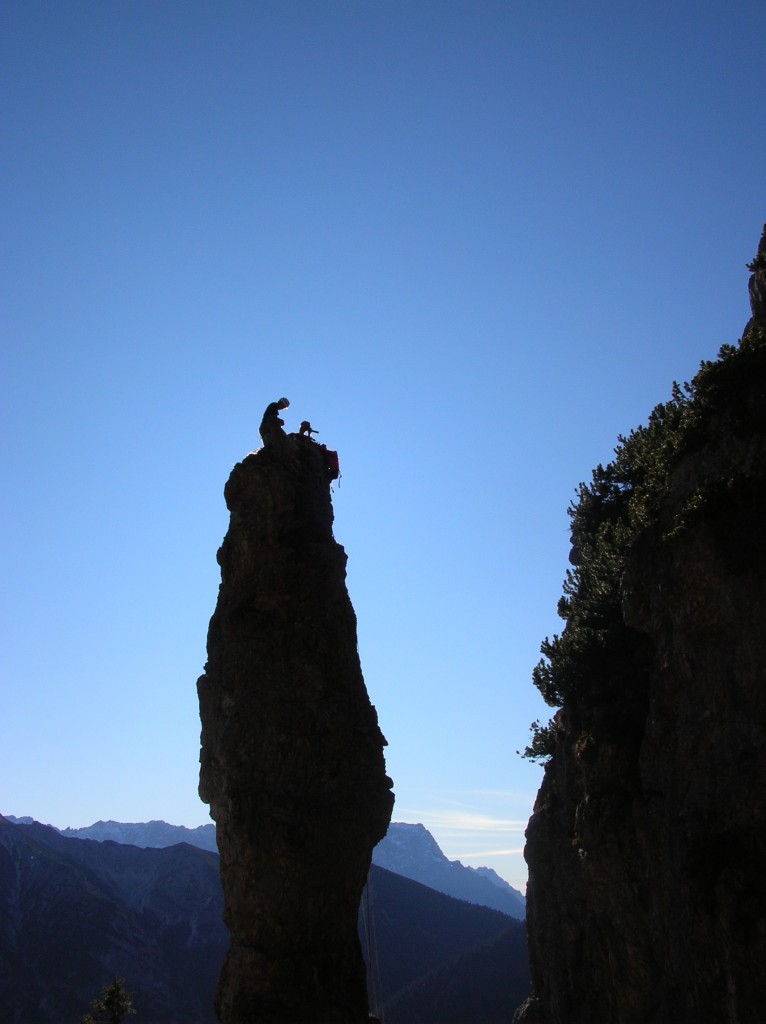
x=292, y=759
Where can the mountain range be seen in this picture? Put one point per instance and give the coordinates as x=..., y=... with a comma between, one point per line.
x=412, y=851
x=76, y=912
x=408, y=850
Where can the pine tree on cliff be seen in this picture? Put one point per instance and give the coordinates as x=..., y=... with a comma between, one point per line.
x=597, y=650
x=647, y=843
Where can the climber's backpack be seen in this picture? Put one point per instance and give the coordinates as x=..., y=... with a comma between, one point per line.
x=331, y=461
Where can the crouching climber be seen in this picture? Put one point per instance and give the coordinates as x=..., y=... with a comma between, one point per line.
x=307, y=430
x=271, y=425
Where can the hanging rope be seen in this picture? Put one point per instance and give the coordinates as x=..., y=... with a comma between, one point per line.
x=371, y=943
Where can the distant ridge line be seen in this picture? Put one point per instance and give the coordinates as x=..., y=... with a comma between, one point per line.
x=408, y=850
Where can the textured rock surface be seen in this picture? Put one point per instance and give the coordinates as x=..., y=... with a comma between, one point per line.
x=647, y=845
x=292, y=757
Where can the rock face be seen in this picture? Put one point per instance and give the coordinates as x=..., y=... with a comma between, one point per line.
x=647, y=845
x=292, y=759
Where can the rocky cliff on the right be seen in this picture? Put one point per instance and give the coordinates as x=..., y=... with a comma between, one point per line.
x=647, y=845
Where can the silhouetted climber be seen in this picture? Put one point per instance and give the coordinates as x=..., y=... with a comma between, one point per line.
x=271, y=425
x=307, y=429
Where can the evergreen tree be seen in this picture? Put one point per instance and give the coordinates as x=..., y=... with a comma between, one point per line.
x=113, y=1004
x=597, y=655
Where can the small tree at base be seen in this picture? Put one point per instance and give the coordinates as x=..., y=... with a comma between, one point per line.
x=112, y=1006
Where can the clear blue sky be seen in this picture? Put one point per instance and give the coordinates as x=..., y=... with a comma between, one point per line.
x=472, y=242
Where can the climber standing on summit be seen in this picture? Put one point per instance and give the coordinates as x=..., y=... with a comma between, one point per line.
x=271, y=425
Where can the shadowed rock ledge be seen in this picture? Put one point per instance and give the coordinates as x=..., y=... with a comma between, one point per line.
x=292, y=759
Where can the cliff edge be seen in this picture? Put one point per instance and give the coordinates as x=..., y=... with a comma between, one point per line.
x=292, y=759
x=647, y=844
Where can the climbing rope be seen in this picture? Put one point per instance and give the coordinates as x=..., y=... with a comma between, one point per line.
x=371, y=943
